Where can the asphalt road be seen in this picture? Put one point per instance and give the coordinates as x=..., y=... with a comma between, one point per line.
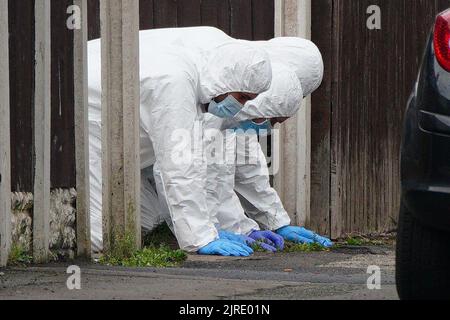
x=336, y=275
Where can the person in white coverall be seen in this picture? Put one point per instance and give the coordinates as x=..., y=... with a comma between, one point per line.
x=236, y=188
x=301, y=67
x=229, y=149
x=251, y=181
x=177, y=86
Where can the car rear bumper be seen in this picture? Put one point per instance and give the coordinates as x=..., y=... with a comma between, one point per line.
x=426, y=166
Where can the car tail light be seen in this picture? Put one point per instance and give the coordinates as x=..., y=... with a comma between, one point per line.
x=442, y=39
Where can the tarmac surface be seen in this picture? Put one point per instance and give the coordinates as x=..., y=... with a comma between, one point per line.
x=341, y=274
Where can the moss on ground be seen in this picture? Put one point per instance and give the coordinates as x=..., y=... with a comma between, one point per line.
x=359, y=241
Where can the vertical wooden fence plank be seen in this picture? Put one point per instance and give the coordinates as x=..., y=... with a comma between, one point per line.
x=189, y=13
x=5, y=141
x=241, y=19
x=263, y=19
x=42, y=120
x=335, y=181
x=93, y=19
x=21, y=70
x=322, y=29
x=62, y=101
x=146, y=14
x=223, y=15
x=216, y=13
x=165, y=13
x=209, y=13
x=82, y=133
x=120, y=122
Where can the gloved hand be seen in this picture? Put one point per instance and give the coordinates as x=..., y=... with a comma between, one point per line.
x=247, y=241
x=223, y=247
x=269, y=238
x=302, y=235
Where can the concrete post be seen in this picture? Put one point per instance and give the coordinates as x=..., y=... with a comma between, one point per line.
x=120, y=122
x=42, y=110
x=82, y=133
x=304, y=131
x=293, y=18
x=5, y=141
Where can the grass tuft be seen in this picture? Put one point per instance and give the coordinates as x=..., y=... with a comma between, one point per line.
x=156, y=253
x=257, y=247
x=359, y=240
x=291, y=247
x=19, y=256
x=351, y=241
x=158, y=257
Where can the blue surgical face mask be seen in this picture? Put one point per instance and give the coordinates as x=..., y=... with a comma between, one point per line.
x=228, y=108
x=261, y=129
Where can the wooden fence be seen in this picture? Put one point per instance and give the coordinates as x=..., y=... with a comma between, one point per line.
x=252, y=20
x=357, y=114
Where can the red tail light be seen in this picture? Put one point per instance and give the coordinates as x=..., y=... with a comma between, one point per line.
x=442, y=39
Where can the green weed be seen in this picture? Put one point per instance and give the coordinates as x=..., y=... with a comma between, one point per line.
x=158, y=257
x=304, y=247
x=18, y=256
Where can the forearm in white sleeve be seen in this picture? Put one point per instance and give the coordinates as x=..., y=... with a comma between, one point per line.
x=252, y=183
x=223, y=204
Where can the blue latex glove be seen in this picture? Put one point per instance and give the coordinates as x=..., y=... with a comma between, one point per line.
x=247, y=241
x=223, y=247
x=302, y=235
x=237, y=239
x=269, y=238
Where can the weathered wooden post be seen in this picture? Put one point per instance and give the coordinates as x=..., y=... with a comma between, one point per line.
x=5, y=142
x=82, y=132
x=42, y=112
x=120, y=122
x=293, y=18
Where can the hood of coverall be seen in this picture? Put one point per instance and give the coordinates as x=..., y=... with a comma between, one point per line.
x=283, y=99
x=301, y=56
x=234, y=67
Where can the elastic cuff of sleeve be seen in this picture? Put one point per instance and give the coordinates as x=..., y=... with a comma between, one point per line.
x=202, y=244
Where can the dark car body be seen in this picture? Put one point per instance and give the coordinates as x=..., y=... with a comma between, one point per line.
x=425, y=160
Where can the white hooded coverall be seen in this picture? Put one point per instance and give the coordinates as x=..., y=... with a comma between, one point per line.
x=297, y=72
x=176, y=82
x=251, y=181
